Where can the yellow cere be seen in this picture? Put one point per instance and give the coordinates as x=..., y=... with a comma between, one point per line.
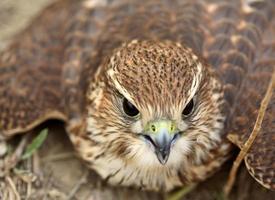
x=156, y=126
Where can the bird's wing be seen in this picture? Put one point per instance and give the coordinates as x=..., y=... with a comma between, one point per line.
x=241, y=46
x=46, y=71
x=30, y=72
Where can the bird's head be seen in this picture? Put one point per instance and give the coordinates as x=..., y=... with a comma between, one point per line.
x=155, y=104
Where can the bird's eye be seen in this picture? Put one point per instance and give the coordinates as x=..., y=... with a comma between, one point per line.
x=129, y=108
x=188, y=108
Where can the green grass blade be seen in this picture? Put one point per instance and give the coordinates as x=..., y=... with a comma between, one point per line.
x=35, y=144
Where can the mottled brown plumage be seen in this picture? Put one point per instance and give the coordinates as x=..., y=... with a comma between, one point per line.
x=79, y=60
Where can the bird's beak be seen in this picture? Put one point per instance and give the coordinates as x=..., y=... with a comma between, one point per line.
x=161, y=134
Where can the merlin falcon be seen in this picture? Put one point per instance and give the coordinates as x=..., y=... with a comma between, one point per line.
x=150, y=92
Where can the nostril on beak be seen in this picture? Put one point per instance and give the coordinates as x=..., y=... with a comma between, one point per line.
x=153, y=128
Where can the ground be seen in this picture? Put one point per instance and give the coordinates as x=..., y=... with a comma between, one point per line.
x=54, y=172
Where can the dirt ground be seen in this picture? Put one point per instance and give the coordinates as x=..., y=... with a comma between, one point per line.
x=54, y=172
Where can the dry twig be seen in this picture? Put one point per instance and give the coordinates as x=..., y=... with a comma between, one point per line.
x=13, y=188
x=78, y=185
x=253, y=135
x=11, y=161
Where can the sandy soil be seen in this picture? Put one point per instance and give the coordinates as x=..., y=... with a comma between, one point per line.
x=57, y=172
x=15, y=15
